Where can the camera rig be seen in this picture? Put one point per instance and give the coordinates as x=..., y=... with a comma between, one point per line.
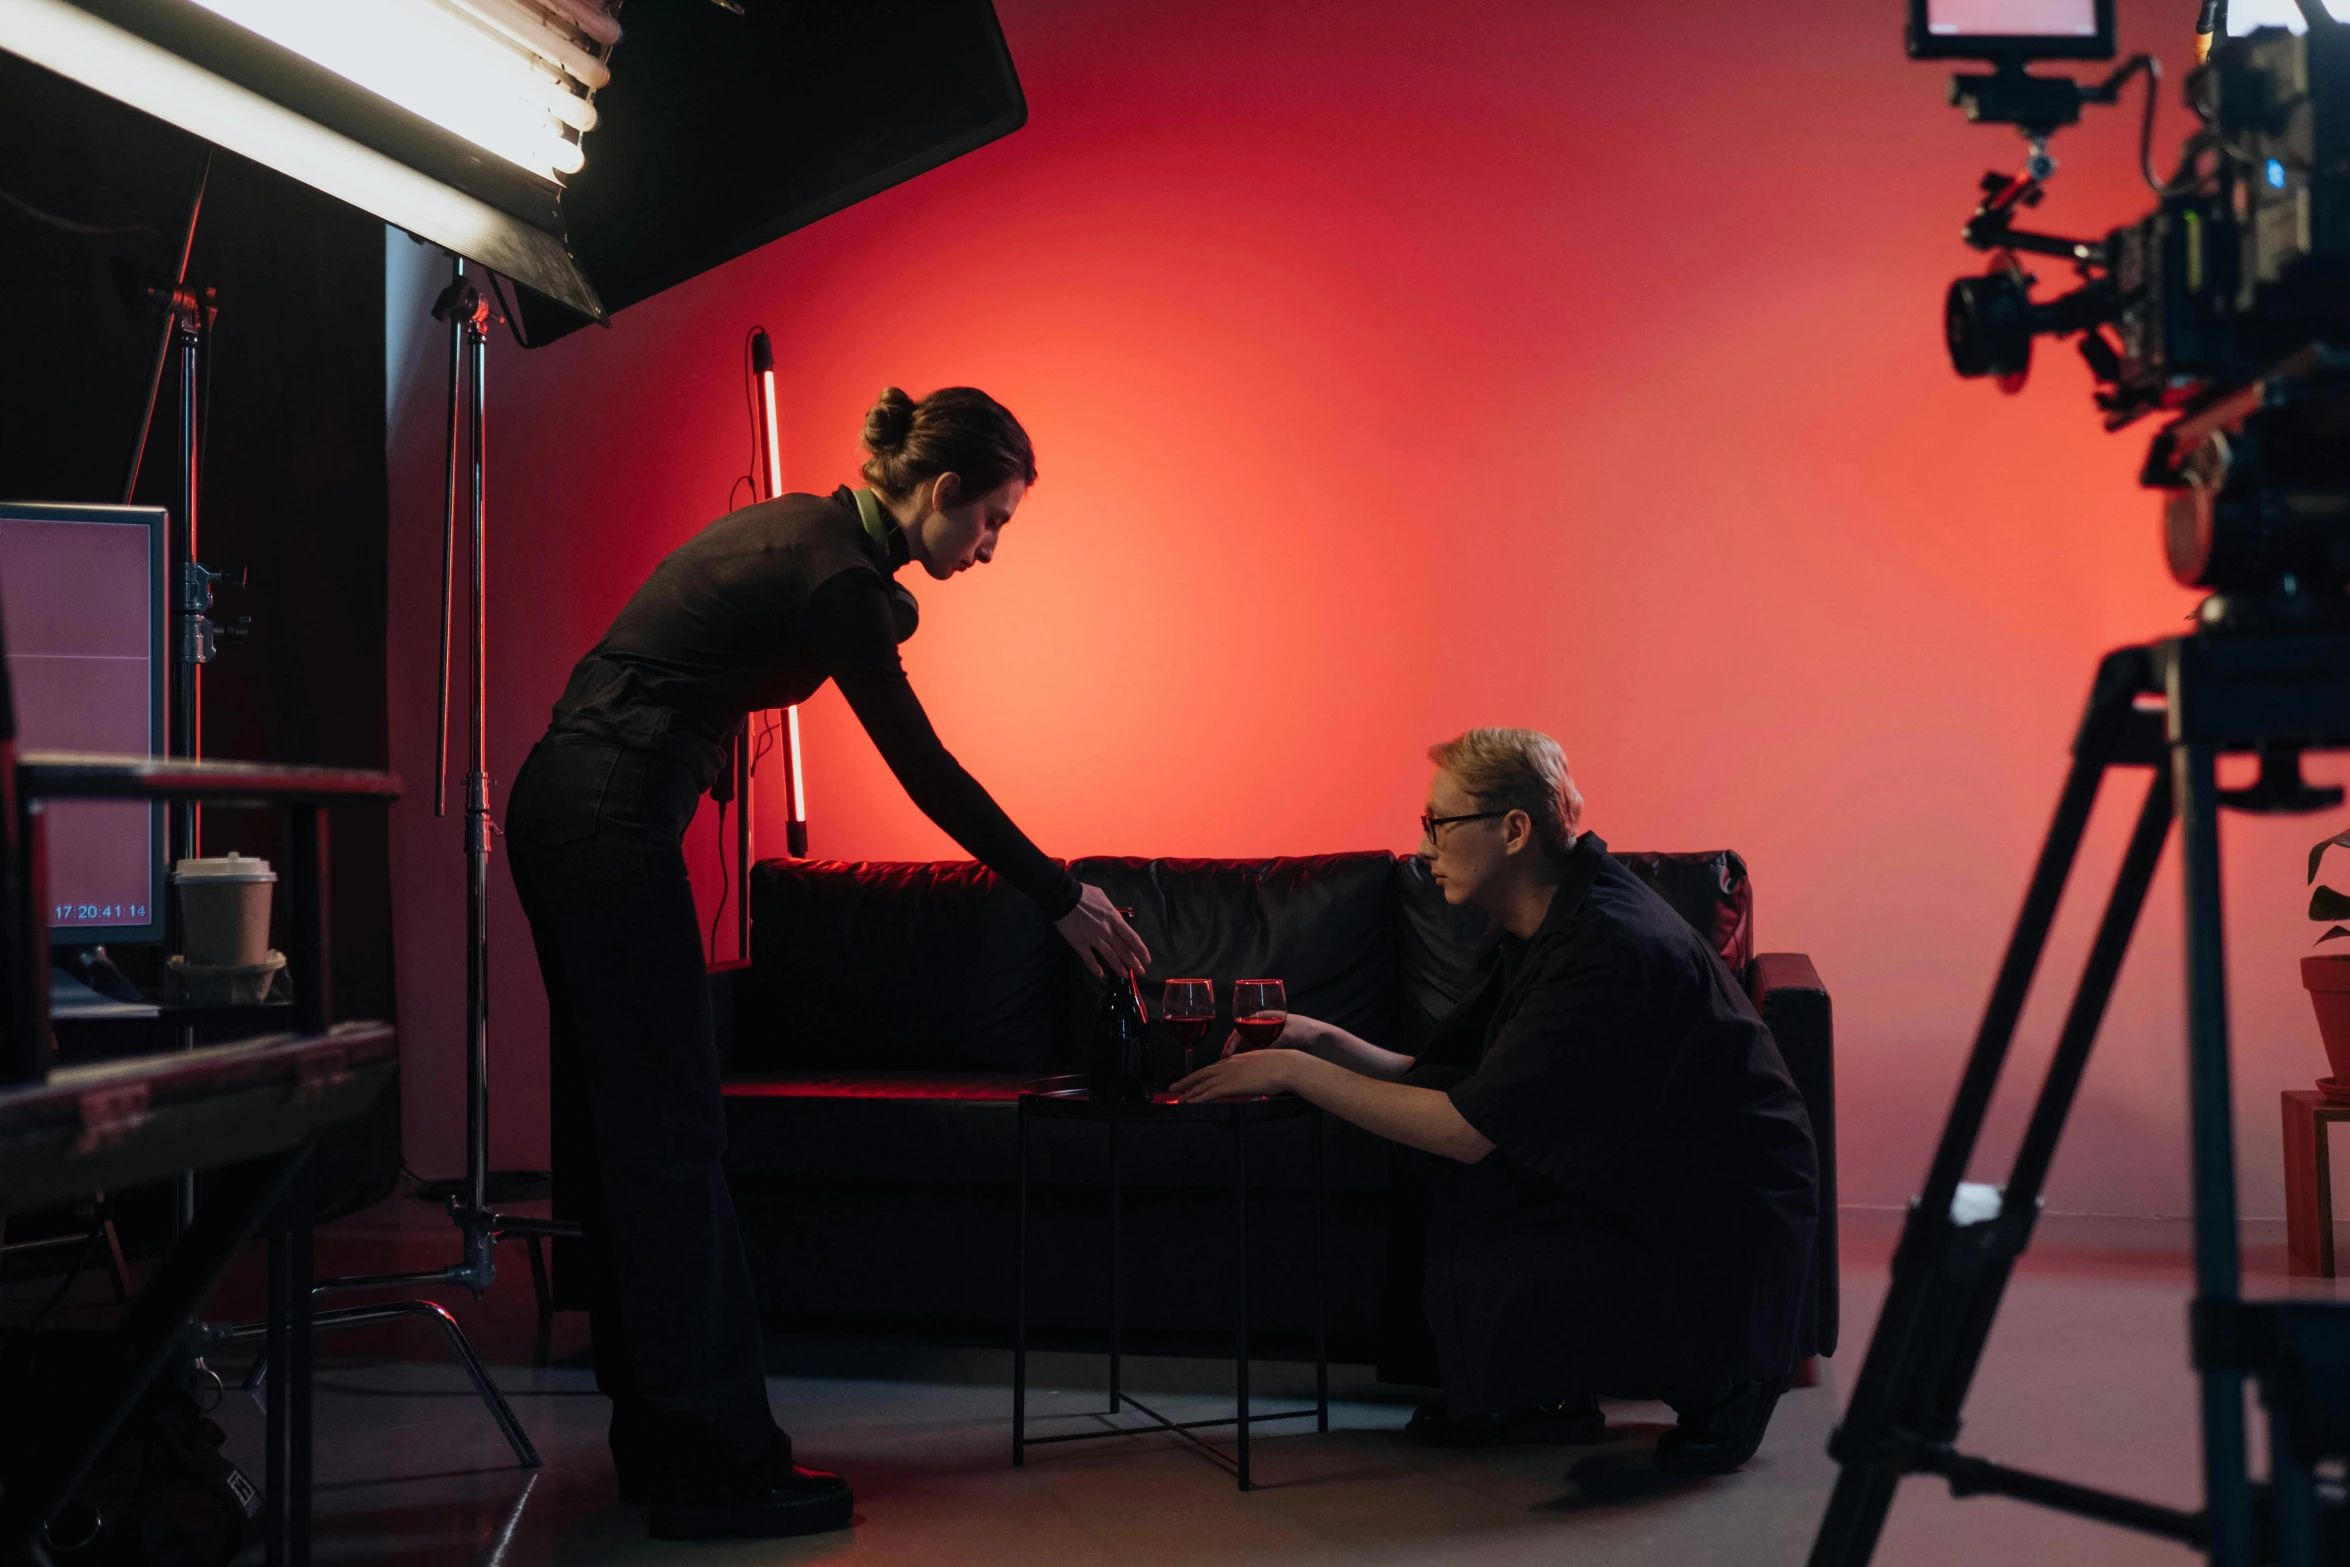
x=2227, y=307
x=2221, y=309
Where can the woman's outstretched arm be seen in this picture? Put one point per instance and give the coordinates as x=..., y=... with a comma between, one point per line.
x=847, y=622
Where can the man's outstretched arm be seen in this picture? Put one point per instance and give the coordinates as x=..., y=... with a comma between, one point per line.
x=1422, y=1118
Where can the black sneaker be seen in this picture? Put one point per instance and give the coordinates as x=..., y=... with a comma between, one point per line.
x=1723, y=1435
x=773, y=1506
x=1574, y=1422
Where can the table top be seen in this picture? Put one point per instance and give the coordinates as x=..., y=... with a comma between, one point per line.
x=1064, y=1098
x=2324, y=1108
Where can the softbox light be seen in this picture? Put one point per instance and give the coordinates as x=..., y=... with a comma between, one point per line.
x=592, y=165
x=448, y=118
x=720, y=132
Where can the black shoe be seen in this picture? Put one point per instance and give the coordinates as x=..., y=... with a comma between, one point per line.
x=1576, y=1422
x=1721, y=1437
x=772, y=1507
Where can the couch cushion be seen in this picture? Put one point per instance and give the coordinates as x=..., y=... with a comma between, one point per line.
x=1322, y=924
x=1711, y=892
x=875, y=965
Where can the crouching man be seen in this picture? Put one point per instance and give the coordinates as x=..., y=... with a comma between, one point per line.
x=1624, y=1184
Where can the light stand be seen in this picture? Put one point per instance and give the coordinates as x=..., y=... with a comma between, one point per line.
x=189, y=314
x=469, y=315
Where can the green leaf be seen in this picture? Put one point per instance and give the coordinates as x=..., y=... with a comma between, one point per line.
x=2327, y=904
x=2338, y=930
x=2340, y=840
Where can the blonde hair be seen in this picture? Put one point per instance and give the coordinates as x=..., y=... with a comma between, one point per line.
x=1517, y=770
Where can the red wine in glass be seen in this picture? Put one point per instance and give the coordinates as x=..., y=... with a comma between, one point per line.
x=1188, y=1008
x=1260, y=1010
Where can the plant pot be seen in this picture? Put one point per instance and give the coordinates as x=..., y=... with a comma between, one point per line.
x=2327, y=978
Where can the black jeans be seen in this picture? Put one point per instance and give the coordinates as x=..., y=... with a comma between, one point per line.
x=639, y=1128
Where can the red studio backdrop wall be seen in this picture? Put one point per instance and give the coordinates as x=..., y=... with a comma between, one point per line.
x=1396, y=367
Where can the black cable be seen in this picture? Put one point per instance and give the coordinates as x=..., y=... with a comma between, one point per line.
x=513, y=316
x=70, y=226
x=81, y=1263
x=2146, y=128
x=751, y=413
x=204, y=402
x=719, y=913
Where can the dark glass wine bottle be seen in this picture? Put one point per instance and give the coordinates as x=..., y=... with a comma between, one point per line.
x=1118, y=1058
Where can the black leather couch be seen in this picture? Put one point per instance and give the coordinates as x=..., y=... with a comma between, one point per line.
x=877, y=1042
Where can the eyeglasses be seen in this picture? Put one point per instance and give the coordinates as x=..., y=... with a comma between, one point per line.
x=1429, y=824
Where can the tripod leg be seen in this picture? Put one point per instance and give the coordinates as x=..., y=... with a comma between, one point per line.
x=1917, y=1283
x=2227, y=1481
x=1856, y=1514
x=2021, y=1196
x=1915, y=1320
x=538, y=1278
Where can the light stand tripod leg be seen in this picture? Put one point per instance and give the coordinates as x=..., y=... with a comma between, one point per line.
x=460, y=1348
x=2226, y=1479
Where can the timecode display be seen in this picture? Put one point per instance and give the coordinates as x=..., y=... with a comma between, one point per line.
x=99, y=914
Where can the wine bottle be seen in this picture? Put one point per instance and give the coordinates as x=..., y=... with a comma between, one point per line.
x=1118, y=1059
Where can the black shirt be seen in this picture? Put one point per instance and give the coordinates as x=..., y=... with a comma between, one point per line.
x=758, y=610
x=1648, y=1144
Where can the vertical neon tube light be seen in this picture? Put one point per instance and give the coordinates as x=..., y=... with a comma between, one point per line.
x=796, y=818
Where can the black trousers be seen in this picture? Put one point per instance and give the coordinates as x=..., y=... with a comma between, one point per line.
x=593, y=835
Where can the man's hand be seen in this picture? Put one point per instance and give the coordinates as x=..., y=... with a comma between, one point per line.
x=1299, y=1033
x=1251, y=1074
x=1100, y=933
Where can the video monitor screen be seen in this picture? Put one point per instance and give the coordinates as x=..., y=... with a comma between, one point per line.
x=2246, y=16
x=81, y=606
x=2012, y=18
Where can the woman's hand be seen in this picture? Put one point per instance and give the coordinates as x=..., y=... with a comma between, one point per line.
x=1248, y=1075
x=1100, y=933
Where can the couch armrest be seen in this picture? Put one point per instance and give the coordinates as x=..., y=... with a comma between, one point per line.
x=1794, y=1006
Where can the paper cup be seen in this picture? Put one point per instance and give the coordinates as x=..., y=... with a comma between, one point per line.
x=224, y=910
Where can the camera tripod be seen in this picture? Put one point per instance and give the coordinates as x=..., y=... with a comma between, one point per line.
x=2173, y=707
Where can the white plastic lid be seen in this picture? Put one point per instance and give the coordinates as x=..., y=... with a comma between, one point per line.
x=226, y=867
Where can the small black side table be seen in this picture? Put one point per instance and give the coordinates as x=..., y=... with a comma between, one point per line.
x=1064, y=1099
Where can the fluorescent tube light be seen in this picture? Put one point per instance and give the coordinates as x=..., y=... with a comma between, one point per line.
x=191, y=65
x=503, y=75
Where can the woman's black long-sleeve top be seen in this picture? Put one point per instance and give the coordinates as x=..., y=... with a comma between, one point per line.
x=758, y=610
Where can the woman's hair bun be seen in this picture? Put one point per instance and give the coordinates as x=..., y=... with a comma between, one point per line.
x=956, y=429
x=889, y=422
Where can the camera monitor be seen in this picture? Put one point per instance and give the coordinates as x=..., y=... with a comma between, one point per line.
x=81, y=603
x=2015, y=30
x=2249, y=16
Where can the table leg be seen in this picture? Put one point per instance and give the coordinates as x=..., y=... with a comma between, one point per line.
x=297, y=1376
x=1020, y=1297
x=277, y=1440
x=1321, y=1296
x=2308, y=1194
x=2325, y=1195
x=1117, y=1301
x=1240, y=1240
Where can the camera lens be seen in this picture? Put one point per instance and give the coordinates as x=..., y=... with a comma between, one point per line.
x=1988, y=323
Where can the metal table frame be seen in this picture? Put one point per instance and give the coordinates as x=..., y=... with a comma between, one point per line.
x=1063, y=1099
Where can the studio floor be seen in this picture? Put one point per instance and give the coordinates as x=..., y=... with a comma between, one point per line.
x=2086, y=1376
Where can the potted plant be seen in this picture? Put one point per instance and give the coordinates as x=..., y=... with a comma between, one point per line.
x=2327, y=975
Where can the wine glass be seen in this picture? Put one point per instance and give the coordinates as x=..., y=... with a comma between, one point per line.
x=1188, y=1008
x=1260, y=1010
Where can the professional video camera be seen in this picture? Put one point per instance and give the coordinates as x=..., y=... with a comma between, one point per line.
x=2227, y=306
